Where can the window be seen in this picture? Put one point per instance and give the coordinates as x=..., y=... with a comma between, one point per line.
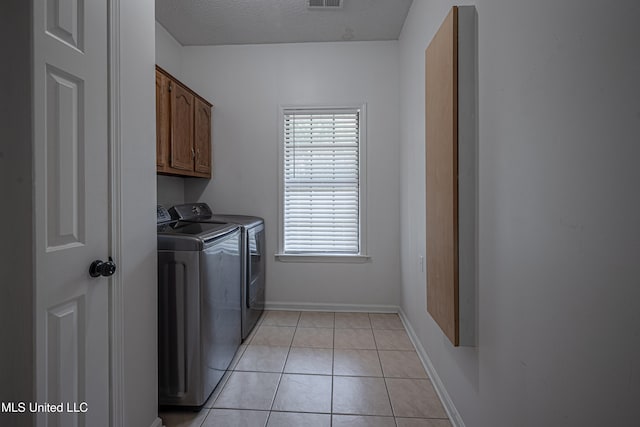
x=322, y=182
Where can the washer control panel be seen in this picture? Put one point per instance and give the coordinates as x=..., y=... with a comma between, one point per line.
x=162, y=215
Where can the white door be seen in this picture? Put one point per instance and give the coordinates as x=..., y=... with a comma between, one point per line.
x=71, y=155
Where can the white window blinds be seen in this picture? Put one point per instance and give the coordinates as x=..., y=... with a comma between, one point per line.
x=321, y=181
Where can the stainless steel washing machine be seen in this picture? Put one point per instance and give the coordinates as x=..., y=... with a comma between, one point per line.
x=253, y=256
x=199, y=311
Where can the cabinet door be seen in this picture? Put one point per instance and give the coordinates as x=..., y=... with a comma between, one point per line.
x=182, y=112
x=163, y=124
x=202, y=141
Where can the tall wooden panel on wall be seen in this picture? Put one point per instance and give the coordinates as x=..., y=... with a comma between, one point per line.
x=202, y=141
x=182, y=110
x=441, y=176
x=163, y=120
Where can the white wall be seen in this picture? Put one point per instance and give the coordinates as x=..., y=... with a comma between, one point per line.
x=246, y=85
x=169, y=57
x=138, y=264
x=170, y=190
x=16, y=182
x=168, y=51
x=559, y=294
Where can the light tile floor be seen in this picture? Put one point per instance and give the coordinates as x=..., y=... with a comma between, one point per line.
x=318, y=369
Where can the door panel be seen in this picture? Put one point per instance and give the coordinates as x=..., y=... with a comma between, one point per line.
x=71, y=154
x=256, y=267
x=65, y=21
x=64, y=146
x=65, y=357
x=202, y=140
x=163, y=118
x=182, y=109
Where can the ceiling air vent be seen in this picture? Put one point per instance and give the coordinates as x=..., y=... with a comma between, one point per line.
x=325, y=4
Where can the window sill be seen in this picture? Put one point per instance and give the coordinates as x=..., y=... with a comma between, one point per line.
x=353, y=259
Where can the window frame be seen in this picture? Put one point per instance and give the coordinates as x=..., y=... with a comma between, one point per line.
x=360, y=257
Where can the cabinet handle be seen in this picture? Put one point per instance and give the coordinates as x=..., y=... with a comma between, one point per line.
x=170, y=86
x=193, y=153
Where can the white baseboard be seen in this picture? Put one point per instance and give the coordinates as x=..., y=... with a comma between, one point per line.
x=156, y=423
x=449, y=407
x=307, y=306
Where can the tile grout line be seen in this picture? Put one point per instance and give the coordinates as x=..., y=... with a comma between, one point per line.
x=252, y=334
x=333, y=361
x=275, y=394
x=384, y=378
x=330, y=375
x=205, y=417
x=233, y=368
x=223, y=381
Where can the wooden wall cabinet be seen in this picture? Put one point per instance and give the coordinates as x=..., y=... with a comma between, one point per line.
x=451, y=176
x=183, y=129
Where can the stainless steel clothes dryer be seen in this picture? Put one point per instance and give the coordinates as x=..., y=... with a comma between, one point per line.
x=253, y=256
x=199, y=314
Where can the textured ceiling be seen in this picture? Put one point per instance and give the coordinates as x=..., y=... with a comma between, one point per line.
x=214, y=22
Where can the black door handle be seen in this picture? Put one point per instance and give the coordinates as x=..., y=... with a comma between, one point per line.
x=100, y=268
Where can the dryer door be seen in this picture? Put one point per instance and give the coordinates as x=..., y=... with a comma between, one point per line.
x=256, y=267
